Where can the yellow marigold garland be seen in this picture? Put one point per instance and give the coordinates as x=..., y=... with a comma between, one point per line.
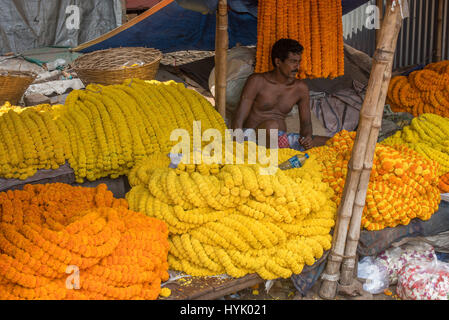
x=101, y=131
x=428, y=135
x=317, y=25
x=235, y=220
x=403, y=184
x=46, y=228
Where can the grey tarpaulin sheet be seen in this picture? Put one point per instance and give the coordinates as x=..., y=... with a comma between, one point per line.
x=27, y=24
x=64, y=174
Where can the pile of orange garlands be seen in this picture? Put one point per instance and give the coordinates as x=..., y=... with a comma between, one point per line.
x=444, y=183
x=423, y=91
x=48, y=230
x=403, y=184
x=316, y=24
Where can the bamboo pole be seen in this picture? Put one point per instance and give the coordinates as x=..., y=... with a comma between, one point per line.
x=384, y=53
x=380, y=6
x=359, y=167
x=124, y=18
x=439, y=37
x=221, y=47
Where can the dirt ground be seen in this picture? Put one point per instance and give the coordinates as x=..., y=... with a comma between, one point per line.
x=284, y=289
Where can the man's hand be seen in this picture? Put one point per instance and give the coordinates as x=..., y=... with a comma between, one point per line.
x=306, y=142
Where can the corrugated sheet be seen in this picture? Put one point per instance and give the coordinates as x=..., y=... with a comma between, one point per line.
x=416, y=40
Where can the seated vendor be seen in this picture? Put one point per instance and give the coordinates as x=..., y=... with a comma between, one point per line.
x=267, y=98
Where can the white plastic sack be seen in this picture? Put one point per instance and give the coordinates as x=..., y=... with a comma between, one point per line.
x=240, y=65
x=375, y=274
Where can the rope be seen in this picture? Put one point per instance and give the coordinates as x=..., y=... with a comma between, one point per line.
x=330, y=277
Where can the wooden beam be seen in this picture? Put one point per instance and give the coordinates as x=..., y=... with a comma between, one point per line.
x=221, y=49
x=439, y=38
x=128, y=25
x=359, y=167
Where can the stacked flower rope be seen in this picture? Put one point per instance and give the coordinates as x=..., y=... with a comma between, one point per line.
x=46, y=230
x=316, y=24
x=103, y=130
x=444, y=183
x=29, y=141
x=403, y=184
x=237, y=221
x=428, y=135
x=423, y=91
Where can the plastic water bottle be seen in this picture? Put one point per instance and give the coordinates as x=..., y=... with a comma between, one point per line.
x=175, y=159
x=294, y=162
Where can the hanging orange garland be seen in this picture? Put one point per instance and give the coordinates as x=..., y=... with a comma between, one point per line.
x=316, y=24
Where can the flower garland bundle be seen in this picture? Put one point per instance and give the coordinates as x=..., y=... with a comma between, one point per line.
x=444, y=183
x=103, y=130
x=29, y=141
x=316, y=24
x=403, y=184
x=48, y=230
x=423, y=91
x=428, y=135
x=237, y=221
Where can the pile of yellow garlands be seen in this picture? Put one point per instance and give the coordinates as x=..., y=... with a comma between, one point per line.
x=235, y=220
x=103, y=130
x=29, y=140
x=428, y=135
x=423, y=91
x=403, y=184
x=316, y=24
x=48, y=230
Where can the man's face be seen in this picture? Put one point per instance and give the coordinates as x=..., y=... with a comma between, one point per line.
x=290, y=66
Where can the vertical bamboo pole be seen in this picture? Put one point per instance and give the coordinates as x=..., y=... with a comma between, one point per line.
x=380, y=6
x=439, y=38
x=221, y=47
x=124, y=19
x=359, y=167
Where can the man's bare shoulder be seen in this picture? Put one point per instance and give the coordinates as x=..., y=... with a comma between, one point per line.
x=257, y=77
x=301, y=85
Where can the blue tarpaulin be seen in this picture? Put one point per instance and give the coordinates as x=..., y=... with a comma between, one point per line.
x=190, y=25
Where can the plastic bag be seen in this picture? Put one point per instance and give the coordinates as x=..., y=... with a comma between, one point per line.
x=424, y=281
x=132, y=64
x=396, y=258
x=375, y=274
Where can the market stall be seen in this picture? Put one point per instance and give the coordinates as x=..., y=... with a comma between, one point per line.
x=204, y=219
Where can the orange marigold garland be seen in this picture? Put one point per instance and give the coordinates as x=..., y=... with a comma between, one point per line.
x=444, y=183
x=317, y=25
x=45, y=229
x=423, y=91
x=403, y=184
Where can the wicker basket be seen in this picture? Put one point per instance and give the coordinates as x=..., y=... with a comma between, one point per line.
x=113, y=66
x=13, y=85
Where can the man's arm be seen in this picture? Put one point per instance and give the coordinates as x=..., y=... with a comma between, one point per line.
x=305, y=119
x=247, y=98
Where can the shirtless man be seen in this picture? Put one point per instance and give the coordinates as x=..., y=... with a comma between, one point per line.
x=267, y=98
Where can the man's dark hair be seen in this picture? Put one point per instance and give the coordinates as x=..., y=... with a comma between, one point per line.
x=282, y=47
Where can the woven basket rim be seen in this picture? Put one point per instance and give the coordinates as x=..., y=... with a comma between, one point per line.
x=157, y=57
x=17, y=73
